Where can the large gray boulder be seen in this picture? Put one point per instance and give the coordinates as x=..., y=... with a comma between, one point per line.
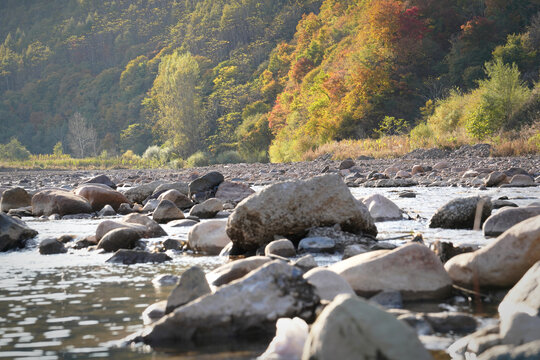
x=100, y=195
x=503, y=220
x=351, y=328
x=461, y=213
x=139, y=193
x=250, y=304
x=13, y=233
x=167, y=211
x=61, y=202
x=51, y=246
x=381, y=208
x=501, y=263
x=191, y=286
x=15, y=198
x=412, y=269
x=289, y=209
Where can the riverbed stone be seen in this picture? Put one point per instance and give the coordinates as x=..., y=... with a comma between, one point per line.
x=327, y=283
x=524, y=297
x=183, y=223
x=290, y=208
x=504, y=219
x=125, y=209
x=99, y=196
x=305, y=263
x=353, y=250
x=139, y=193
x=248, y=305
x=412, y=269
x=13, y=233
x=351, y=328
x=107, y=210
x=207, y=209
x=281, y=247
x=172, y=244
x=209, y=237
x=233, y=192
x=179, y=199
x=341, y=238
x=154, y=312
x=388, y=299
x=461, y=213
x=122, y=238
x=319, y=244
x=520, y=180
x=51, y=246
x=498, y=204
x=146, y=227
x=346, y=164
x=381, y=208
x=54, y=201
x=520, y=328
x=130, y=257
x=205, y=186
x=167, y=211
x=192, y=285
x=496, y=178
x=235, y=270
x=15, y=198
x=501, y=263
x=151, y=205
x=179, y=186
x=101, y=179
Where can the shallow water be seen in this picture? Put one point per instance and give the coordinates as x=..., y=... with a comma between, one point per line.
x=75, y=306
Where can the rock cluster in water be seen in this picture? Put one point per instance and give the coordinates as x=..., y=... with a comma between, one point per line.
x=271, y=236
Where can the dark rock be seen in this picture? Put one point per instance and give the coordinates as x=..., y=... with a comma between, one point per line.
x=281, y=247
x=388, y=299
x=205, y=187
x=13, y=233
x=461, y=213
x=129, y=257
x=166, y=211
x=317, y=245
x=497, y=204
x=101, y=179
x=99, y=196
x=122, y=238
x=353, y=250
x=124, y=209
x=139, y=193
x=51, y=246
x=446, y=250
x=183, y=222
x=172, y=244
x=346, y=164
x=107, y=211
x=207, y=209
x=503, y=220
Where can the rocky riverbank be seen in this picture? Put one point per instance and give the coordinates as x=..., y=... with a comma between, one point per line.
x=271, y=237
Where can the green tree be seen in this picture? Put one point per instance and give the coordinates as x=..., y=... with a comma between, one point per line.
x=14, y=150
x=176, y=102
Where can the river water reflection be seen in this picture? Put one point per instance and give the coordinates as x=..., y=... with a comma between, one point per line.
x=75, y=306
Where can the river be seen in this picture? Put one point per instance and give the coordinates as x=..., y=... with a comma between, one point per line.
x=75, y=306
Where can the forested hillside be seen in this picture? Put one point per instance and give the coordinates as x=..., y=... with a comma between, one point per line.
x=252, y=80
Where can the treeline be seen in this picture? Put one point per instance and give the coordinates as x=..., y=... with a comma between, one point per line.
x=257, y=80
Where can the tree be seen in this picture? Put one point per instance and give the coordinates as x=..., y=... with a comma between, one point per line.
x=82, y=136
x=176, y=102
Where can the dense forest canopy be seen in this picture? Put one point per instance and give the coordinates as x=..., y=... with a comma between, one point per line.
x=263, y=79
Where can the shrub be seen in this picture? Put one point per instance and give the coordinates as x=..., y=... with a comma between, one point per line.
x=58, y=149
x=177, y=164
x=392, y=126
x=151, y=153
x=14, y=150
x=229, y=157
x=421, y=136
x=198, y=159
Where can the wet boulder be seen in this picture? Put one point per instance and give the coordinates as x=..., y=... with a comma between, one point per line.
x=317, y=245
x=412, y=269
x=209, y=237
x=55, y=201
x=146, y=227
x=15, y=198
x=289, y=209
x=503, y=220
x=461, y=213
x=327, y=283
x=100, y=195
x=101, y=179
x=130, y=257
x=351, y=328
x=181, y=187
x=139, y=193
x=207, y=209
x=496, y=178
x=233, y=192
x=191, y=286
x=51, y=246
x=13, y=233
x=235, y=270
x=205, y=187
x=520, y=180
x=166, y=211
x=154, y=312
x=249, y=305
x=501, y=263
x=122, y=238
x=107, y=210
x=381, y=208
